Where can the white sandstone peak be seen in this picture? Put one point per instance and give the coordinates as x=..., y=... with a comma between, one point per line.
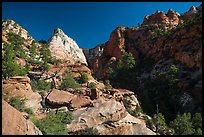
x=64, y=47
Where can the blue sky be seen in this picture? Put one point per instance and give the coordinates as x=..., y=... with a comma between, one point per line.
x=88, y=23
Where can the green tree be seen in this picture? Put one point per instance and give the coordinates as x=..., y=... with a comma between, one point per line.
x=42, y=41
x=161, y=90
x=17, y=41
x=197, y=123
x=45, y=54
x=159, y=120
x=123, y=73
x=127, y=62
x=19, y=51
x=182, y=125
x=198, y=132
x=33, y=51
x=9, y=66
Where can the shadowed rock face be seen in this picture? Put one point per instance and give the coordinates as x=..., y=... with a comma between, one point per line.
x=64, y=48
x=13, y=122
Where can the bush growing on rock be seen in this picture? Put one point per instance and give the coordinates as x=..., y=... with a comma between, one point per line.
x=17, y=103
x=40, y=85
x=29, y=111
x=136, y=112
x=54, y=123
x=84, y=78
x=55, y=61
x=87, y=131
x=68, y=81
x=92, y=85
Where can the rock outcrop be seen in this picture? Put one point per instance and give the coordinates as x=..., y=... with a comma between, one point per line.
x=9, y=25
x=19, y=86
x=108, y=121
x=100, y=113
x=125, y=96
x=65, y=48
x=58, y=70
x=159, y=17
x=129, y=125
x=14, y=123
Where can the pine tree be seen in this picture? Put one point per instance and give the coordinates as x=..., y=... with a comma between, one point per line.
x=182, y=125
x=197, y=123
x=9, y=66
x=45, y=54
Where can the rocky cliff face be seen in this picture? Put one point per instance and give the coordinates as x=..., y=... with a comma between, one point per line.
x=64, y=48
x=166, y=39
x=153, y=39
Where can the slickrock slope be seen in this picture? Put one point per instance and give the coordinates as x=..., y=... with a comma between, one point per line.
x=13, y=122
x=64, y=48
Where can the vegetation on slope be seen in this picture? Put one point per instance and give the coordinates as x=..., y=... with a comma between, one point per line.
x=54, y=123
x=162, y=90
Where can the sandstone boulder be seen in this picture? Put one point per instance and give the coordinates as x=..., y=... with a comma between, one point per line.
x=103, y=111
x=58, y=98
x=80, y=101
x=14, y=123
